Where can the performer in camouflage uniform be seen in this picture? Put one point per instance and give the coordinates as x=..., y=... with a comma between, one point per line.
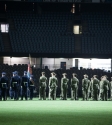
x=85, y=87
x=95, y=87
x=105, y=88
x=64, y=86
x=74, y=87
x=42, y=86
x=53, y=84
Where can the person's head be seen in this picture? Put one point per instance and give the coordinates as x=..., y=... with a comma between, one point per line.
x=3, y=74
x=53, y=74
x=105, y=77
x=85, y=76
x=43, y=73
x=25, y=73
x=95, y=76
x=74, y=75
x=64, y=74
x=16, y=73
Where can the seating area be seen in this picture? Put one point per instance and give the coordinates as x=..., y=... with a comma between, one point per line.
x=43, y=33
x=1, y=44
x=47, y=32
x=98, y=38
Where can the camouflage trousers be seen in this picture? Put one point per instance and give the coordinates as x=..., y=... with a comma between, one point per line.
x=95, y=94
x=101, y=94
x=85, y=94
x=52, y=93
x=74, y=93
x=64, y=93
x=42, y=93
x=105, y=95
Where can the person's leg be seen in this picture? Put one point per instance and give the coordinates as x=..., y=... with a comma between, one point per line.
x=44, y=93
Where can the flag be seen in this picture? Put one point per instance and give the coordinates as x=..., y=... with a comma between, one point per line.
x=30, y=59
x=29, y=72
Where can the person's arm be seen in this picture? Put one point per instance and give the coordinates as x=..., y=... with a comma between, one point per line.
x=61, y=83
x=0, y=83
x=71, y=82
x=83, y=84
x=57, y=82
x=77, y=83
x=110, y=85
x=49, y=82
x=46, y=81
x=40, y=82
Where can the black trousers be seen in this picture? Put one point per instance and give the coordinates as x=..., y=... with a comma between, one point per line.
x=24, y=93
x=4, y=93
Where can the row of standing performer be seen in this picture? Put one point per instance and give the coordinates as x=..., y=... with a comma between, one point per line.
x=97, y=89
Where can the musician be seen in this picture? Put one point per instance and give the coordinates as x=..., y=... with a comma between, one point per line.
x=31, y=86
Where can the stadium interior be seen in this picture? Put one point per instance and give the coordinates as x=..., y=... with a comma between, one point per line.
x=50, y=31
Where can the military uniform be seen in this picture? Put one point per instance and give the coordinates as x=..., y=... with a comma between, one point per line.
x=74, y=87
x=64, y=86
x=101, y=89
x=53, y=83
x=15, y=86
x=95, y=88
x=4, y=86
x=110, y=86
x=105, y=89
x=24, y=86
x=85, y=87
x=42, y=86
x=31, y=86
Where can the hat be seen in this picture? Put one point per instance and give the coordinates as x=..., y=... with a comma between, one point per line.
x=13, y=73
x=3, y=73
x=64, y=74
x=53, y=73
x=25, y=72
x=16, y=72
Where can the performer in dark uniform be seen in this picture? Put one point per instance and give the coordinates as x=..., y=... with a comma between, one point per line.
x=31, y=86
x=24, y=86
x=4, y=86
x=15, y=85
